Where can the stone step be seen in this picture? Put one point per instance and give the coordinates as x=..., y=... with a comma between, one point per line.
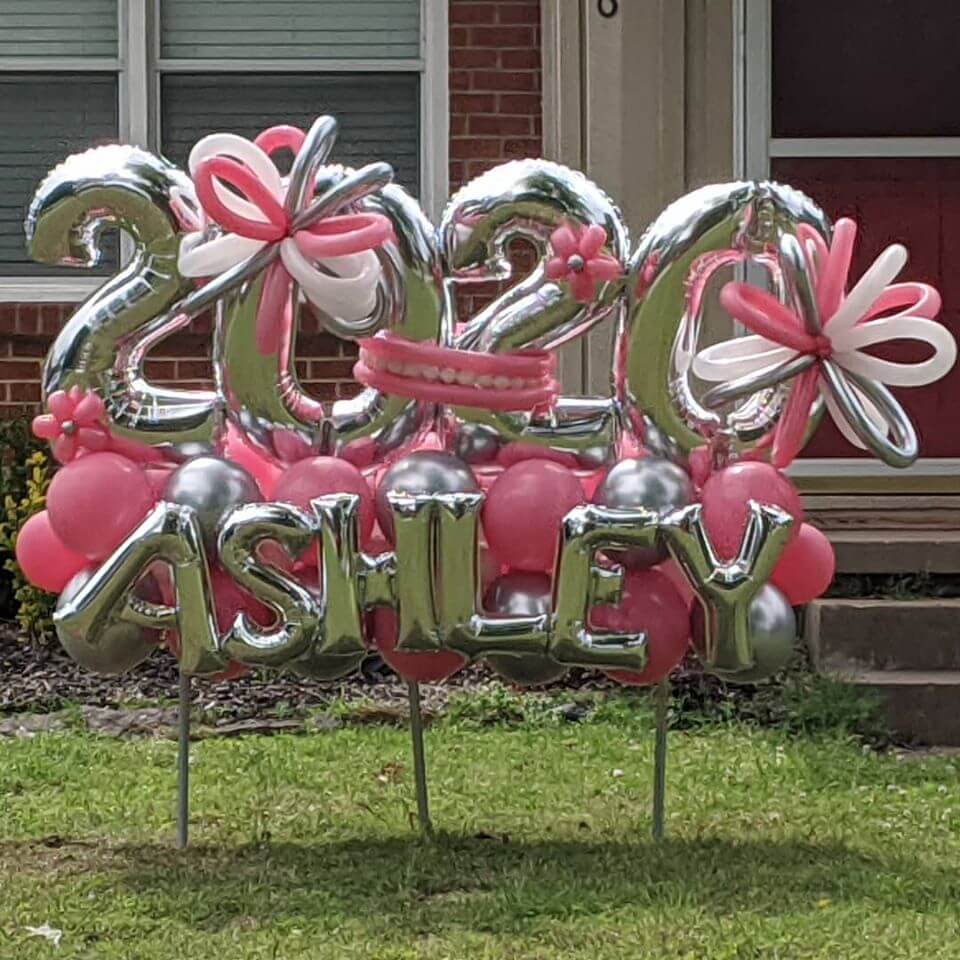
x=922, y=706
x=896, y=551
x=855, y=635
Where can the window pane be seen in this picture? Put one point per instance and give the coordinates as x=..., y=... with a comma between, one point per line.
x=58, y=28
x=379, y=114
x=290, y=29
x=44, y=118
x=865, y=68
x=915, y=202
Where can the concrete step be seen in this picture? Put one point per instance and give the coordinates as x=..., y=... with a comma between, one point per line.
x=923, y=707
x=896, y=551
x=857, y=635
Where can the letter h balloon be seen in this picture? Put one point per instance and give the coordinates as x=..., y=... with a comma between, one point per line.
x=458, y=507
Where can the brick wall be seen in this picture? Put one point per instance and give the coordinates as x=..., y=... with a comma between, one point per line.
x=495, y=115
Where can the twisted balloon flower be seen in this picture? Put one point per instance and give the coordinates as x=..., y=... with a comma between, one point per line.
x=823, y=352
x=274, y=224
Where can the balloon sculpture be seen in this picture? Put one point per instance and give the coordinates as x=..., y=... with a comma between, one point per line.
x=458, y=508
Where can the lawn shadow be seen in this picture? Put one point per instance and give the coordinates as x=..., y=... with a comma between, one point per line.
x=402, y=884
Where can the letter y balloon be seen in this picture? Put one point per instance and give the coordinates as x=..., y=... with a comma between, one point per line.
x=460, y=508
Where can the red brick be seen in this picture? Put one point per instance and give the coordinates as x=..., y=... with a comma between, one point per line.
x=24, y=346
x=476, y=167
x=322, y=391
x=24, y=392
x=500, y=126
x=473, y=12
x=458, y=172
x=194, y=369
x=470, y=149
x=521, y=148
x=8, y=317
x=461, y=80
x=505, y=80
x=520, y=59
x=324, y=369
x=502, y=37
x=52, y=317
x=160, y=369
x=463, y=58
x=473, y=103
x=459, y=37
x=519, y=12
x=527, y=104
x=19, y=369
x=28, y=318
x=458, y=127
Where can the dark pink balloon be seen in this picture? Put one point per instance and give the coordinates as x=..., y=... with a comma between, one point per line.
x=44, y=559
x=317, y=476
x=725, y=499
x=523, y=512
x=96, y=501
x=805, y=567
x=650, y=604
x=422, y=667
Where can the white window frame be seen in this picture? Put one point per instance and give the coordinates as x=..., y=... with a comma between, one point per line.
x=753, y=62
x=139, y=66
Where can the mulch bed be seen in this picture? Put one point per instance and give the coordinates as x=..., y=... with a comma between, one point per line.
x=43, y=680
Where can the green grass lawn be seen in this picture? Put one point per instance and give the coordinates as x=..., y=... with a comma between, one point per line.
x=305, y=847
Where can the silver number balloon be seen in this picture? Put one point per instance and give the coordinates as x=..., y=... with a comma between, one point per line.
x=531, y=199
x=715, y=227
x=264, y=397
x=103, y=345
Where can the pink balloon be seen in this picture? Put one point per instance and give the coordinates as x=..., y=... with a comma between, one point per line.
x=96, y=501
x=422, y=667
x=652, y=604
x=317, y=476
x=260, y=467
x=42, y=556
x=228, y=600
x=523, y=512
x=679, y=580
x=805, y=567
x=725, y=496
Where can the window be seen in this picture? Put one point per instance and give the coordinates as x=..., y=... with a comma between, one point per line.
x=165, y=72
x=853, y=103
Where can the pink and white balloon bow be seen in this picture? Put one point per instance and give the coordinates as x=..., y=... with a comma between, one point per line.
x=826, y=354
x=273, y=223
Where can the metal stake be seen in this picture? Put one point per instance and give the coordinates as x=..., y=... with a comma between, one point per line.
x=661, y=704
x=419, y=763
x=183, y=761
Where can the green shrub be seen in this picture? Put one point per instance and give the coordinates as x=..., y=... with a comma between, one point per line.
x=25, y=472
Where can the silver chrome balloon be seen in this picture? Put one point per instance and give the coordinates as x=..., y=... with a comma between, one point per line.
x=103, y=345
x=523, y=594
x=727, y=590
x=210, y=486
x=715, y=227
x=169, y=534
x=527, y=199
x=116, y=647
x=423, y=472
x=530, y=199
x=772, y=626
x=650, y=483
x=263, y=394
x=297, y=614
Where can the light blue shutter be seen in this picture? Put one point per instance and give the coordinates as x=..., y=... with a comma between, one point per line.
x=58, y=28
x=378, y=113
x=43, y=118
x=290, y=29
